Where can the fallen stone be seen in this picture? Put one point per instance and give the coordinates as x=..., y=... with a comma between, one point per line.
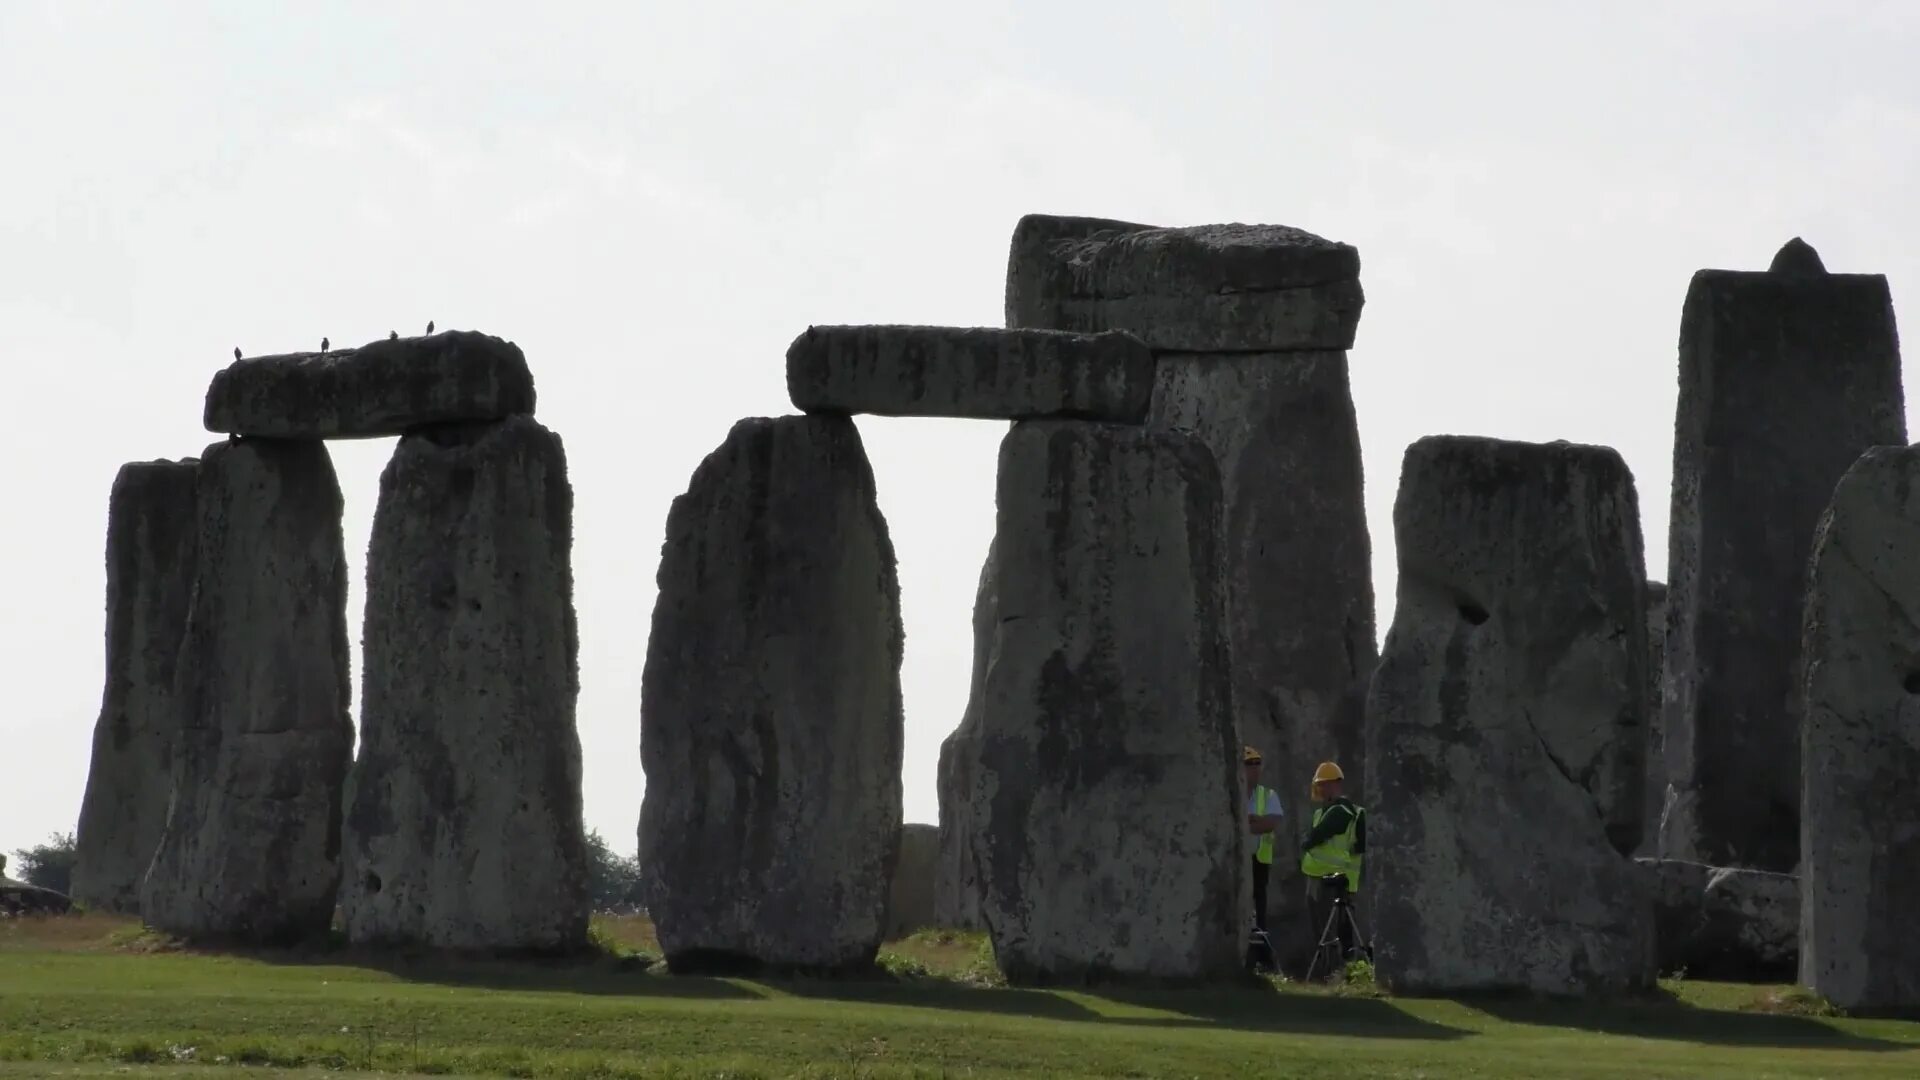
x=463, y=828
x=381, y=388
x=1505, y=725
x=1786, y=378
x=910, y=900
x=1714, y=922
x=1860, y=834
x=251, y=847
x=972, y=372
x=1207, y=288
x=771, y=723
x=151, y=529
x=19, y=898
x=1656, y=790
x=1107, y=831
x=957, y=902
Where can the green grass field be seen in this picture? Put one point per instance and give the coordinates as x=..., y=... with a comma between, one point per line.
x=92, y=996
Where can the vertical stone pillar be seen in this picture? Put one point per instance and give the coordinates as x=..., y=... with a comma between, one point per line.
x=1250, y=327
x=151, y=529
x=251, y=847
x=1505, y=725
x=1786, y=377
x=771, y=723
x=957, y=896
x=1108, y=836
x=1655, y=792
x=1860, y=816
x=464, y=819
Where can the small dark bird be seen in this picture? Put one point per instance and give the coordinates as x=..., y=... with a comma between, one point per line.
x=393, y=335
x=236, y=352
x=429, y=326
x=323, y=344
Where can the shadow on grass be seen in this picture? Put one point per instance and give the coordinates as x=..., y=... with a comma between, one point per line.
x=1251, y=1006
x=1659, y=1014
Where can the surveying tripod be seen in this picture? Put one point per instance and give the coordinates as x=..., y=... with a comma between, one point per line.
x=1328, y=954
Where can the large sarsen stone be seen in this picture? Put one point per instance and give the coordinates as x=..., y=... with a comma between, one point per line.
x=252, y=841
x=957, y=897
x=1505, y=725
x=1106, y=823
x=464, y=822
x=1715, y=922
x=770, y=723
x=151, y=531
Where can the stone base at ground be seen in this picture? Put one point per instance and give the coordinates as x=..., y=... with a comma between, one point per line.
x=771, y=724
x=1715, y=922
x=1106, y=809
x=1505, y=725
x=464, y=821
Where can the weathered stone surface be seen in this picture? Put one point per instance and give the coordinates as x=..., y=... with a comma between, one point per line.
x=381, y=388
x=1106, y=819
x=1208, y=288
x=1723, y=923
x=463, y=827
x=1505, y=725
x=974, y=372
x=20, y=898
x=1785, y=379
x=151, y=530
x=771, y=724
x=1298, y=565
x=957, y=901
x=252, y=840
x=910, y=900
x=1860, y=829
x=1656, y=788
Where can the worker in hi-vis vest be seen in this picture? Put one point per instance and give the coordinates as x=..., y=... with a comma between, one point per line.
x=1263, y=821
x=1335, y=844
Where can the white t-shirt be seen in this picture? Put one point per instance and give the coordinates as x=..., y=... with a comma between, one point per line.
x=1273, y=802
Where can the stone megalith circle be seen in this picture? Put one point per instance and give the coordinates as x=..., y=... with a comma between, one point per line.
x=1106, y=820
x=1860, y=823
x=251, y=847
x=1248, y=325
x=771, y=724
x=463, y=824
x=151, y=535
x=957, y=899
x=1786, y=377
x=1505, y=725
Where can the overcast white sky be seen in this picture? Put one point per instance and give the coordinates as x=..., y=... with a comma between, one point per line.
x=653, y=199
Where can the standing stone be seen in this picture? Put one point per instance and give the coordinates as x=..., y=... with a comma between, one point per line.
x=464, y=824
x=151, y=528
x=771, y=724
x=910, y=899
x=976, y=372
x=1786, y=377
x=1106, y=810
x=1248, y=324
x=386, y=387
x=1655, y=796
x=251, y=847
x=1505, y=725
x=1860, y=831
x=957, y=902
x=1714, y=922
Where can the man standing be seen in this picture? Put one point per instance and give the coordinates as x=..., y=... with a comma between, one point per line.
x=1263, y=820
x=1331, y=854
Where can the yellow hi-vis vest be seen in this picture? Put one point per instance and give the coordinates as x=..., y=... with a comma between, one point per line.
x=1335, y=855
x=1263, y=853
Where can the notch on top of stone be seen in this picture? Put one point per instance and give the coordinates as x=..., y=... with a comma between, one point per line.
x=970, y=372
x=1797, y=258
x=386, y=387
x=1203, y=288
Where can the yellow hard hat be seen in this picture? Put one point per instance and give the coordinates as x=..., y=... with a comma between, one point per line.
x=1327, y=771
x=1249, y=756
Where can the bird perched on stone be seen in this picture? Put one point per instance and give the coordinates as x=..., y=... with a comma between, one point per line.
x=393, y=335
x=429, y=326
x=323, y=344
x=236, y=352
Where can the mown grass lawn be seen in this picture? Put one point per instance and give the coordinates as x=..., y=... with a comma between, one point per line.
x=87, y=996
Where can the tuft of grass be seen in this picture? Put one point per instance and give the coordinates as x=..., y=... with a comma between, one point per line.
x=1793, y=1001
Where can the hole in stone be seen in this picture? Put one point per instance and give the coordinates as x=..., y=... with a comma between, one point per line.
x=1473, y=612
x=1912, y=682
x=373, y=882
